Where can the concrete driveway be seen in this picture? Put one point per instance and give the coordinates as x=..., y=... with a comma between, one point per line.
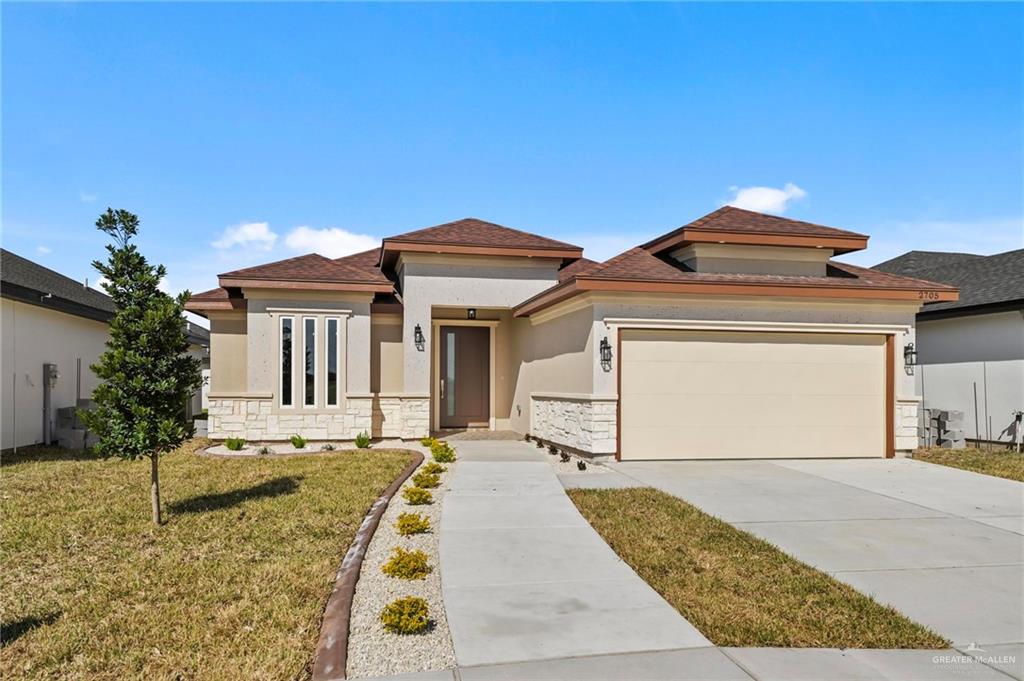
x=943, y=546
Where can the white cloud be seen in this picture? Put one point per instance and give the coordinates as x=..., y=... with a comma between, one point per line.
x=332, y=242
x=98, y=284
x=86, y=197
x=249, y=234
x=765, y=199
x=43, y=250
x=984, y=236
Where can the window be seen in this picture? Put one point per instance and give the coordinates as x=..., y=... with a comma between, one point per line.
x=309, y=348
x=286, y=360
x=333, y=361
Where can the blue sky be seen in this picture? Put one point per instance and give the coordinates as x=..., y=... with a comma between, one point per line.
x=244, y=133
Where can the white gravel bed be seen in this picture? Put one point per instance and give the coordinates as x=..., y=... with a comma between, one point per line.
x=253, y=448
x=372, y=651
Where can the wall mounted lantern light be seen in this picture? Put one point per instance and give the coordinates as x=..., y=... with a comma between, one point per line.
x=471, y=313
x=606, y=354
x=909, y=357
x=417, y=338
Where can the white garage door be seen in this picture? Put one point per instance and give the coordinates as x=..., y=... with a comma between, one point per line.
x=724, y=395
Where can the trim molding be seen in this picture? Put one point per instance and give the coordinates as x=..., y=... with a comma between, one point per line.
x=726, y=325
x=310, y=310
x=240, y=395
x=465, y=322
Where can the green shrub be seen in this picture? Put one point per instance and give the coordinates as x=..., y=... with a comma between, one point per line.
x=264, y=450
x=235, y=444
x=298, y=441
x=433, y=468
x=412, y=523
x=406, y=564
x=415, y=496
x=427, y=441
x=362, y=440
x=443, y=452
x=327, y=447
x=426, y=480
x=409, y=615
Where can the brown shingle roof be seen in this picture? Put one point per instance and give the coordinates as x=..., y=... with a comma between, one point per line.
x=316, y=269
x=639, y=270
x=474, y=232
x=757, y=228
x=576, y=267
x=214, y=299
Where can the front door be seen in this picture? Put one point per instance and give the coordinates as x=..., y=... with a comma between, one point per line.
x=465, y=376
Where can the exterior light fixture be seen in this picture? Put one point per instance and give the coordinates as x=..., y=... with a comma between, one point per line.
x=417, y=338
x=471, y=313
x=909, y=355
x=606, y=354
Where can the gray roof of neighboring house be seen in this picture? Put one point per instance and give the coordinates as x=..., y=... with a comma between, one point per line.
x=29, y=282
x=197, y=335
x=986, y=282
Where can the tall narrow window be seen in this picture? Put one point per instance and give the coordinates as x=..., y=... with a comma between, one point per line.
x=309, y=348
x=332, y=362
x=287, y=342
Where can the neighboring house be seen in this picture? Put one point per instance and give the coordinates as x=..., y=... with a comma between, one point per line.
x=52, y=319
x=199, y=346
x=47, y=319
x=971, y=351
x=734, y=336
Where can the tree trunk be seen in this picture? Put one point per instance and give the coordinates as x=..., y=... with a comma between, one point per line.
x=154, y=488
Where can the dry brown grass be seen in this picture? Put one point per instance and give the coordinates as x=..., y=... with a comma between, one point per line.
x=735, y=588
x=231, y=587
x=998, y=462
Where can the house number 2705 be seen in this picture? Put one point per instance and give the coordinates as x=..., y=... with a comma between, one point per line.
x=928, y=295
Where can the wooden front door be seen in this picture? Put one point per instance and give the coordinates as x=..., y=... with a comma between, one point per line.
x=464, y=389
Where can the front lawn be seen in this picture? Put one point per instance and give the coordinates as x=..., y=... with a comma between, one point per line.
x=739, y=590
x=1000, y=463
x=231, y=587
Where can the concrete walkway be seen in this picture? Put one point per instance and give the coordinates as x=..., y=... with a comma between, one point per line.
x=942, y=545
x=533, y=593
x=526, y=578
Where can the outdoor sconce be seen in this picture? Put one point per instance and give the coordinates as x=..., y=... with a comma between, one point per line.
x=606, y=354
x=471, y=313
x=909, y=357
x=417, y=338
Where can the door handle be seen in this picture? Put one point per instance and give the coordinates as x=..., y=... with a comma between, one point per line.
x=442, y=388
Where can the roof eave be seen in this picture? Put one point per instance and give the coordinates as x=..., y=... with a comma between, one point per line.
x=582, y=283
x=306, y=285
x=399, y=246
x=838, y=244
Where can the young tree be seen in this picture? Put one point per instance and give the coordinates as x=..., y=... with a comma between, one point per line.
x=146, y=374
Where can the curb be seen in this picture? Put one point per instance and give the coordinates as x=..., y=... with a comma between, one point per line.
x=331, y=656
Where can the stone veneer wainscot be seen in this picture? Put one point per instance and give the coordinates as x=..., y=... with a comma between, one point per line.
x=582, y=422
x=254, y=418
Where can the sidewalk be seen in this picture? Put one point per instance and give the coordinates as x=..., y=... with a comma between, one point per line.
x=526, y=578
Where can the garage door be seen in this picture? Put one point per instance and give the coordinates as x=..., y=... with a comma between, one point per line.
x=724, y=395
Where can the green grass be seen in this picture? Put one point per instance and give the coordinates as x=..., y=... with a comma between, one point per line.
x=739, y=590
x=1000, y=463
x=231, y=587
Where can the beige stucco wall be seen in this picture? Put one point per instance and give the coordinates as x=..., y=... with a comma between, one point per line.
x=265, y=309
x=430, y=282
x=386, y=357
x=735, y=258
x=33, y=336
x=228, y=353
x=555, y=357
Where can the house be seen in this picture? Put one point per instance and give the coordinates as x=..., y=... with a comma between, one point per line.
x=54, y=329
x=970, y=352
x=734, y=336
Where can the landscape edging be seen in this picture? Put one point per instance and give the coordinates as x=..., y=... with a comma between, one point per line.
x=331, y=656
